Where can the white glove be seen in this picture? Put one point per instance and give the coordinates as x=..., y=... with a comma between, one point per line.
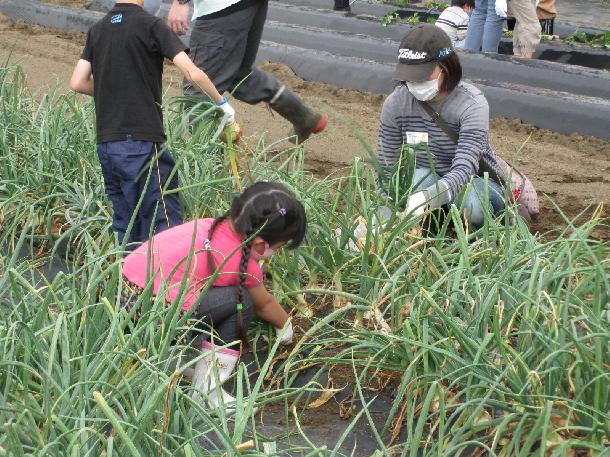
x=288, y=333
x=229, y=112
x=356, y=242
x=416, y=205
x=361, y=230
x=501, y=8
x=359, y=234
x=377, y=221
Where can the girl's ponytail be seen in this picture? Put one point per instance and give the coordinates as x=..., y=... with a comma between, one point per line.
x=208, y=241
x=242, y=330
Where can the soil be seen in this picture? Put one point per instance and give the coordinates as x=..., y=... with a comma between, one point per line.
x=323, y=426
x=571, y=171
x=325, y=418
x=588, y=13
x=596, y=12
x=583, y=13
x=70, y=3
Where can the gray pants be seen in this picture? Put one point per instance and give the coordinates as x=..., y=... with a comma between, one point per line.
x=218, y=311
x=225, y=49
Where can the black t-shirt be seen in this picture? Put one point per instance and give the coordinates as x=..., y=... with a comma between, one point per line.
x=126, y=50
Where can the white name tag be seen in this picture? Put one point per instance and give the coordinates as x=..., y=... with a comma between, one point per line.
x=417, y=137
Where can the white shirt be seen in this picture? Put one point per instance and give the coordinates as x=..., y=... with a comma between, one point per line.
x=454, y=21
x=203, y=7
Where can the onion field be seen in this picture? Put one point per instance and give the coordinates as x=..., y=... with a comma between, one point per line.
x=494, y=343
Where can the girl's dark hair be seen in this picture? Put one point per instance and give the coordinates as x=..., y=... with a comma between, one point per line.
x=452, y=70
x=462, y=3
x=268, y=210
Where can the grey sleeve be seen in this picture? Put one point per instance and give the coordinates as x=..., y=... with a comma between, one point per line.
x=472, y=144
x=390, y=140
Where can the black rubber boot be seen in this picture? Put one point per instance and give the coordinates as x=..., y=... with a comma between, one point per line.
x=304, y=121
x=342, y=5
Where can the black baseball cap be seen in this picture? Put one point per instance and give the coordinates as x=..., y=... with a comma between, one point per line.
x=419, y=51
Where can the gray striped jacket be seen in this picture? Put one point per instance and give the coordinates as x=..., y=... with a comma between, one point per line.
x=466, y=110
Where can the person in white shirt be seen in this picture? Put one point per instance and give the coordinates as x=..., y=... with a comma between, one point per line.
x=224, y=43
x=454, y=21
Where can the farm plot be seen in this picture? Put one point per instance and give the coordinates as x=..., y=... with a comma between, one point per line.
x=571, y=170
x=493, y=343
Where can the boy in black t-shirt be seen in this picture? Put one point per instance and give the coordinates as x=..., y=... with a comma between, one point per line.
x=121, y=67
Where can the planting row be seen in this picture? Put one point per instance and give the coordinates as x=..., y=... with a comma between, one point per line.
x=494, y=342
x=329, y=53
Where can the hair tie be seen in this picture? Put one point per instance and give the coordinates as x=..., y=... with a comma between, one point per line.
x=282, y=211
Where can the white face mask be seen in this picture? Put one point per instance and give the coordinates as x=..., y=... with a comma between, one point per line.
x=268, y=252
x=425, y=90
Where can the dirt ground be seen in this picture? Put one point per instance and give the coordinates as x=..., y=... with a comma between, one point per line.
x=70, y=3
x=584, y=13
x=573, y=171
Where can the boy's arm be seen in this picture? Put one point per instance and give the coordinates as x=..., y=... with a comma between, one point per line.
x=82, y=80
x=196, y=76
x=267, y=308
x=167, y=43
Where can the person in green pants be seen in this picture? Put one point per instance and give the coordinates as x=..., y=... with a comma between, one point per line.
x=224, y=43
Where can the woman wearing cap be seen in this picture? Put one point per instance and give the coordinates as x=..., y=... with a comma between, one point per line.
x=429, y=75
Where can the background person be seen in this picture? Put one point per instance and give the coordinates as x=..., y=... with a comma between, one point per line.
x=546, y=10
x=121, y=67
x=485, y=26
x=454, y=21
x=429, y=70
x=224, y=43
x=152, y=6
x=342, y=5
x=526, y=35
x=266, y=210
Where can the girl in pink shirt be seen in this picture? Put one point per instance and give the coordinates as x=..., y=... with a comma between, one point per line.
x=265, y=217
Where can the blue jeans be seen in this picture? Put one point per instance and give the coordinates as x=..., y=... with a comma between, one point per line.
x=125, y=167
x=472, y=200
x=484, y=28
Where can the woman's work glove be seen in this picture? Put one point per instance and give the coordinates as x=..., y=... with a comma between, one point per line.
x=501, y=8
x=356, y=242
x=416, y=205
x=229, y=112
x=285, y=334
